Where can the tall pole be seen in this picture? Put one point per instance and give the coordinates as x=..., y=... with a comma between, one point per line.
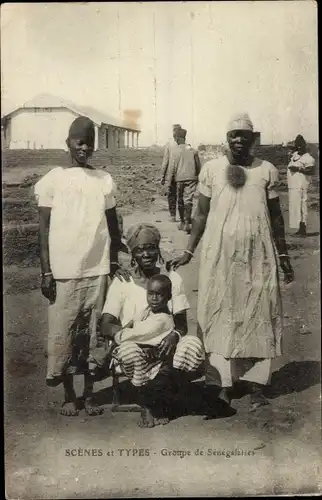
x=155, y=83
x=118, y=62
x=192, y=77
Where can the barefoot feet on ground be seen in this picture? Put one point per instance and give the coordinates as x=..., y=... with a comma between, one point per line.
x=161, y=421
x=69, y=409
x=146, y=419
x=92, y=409
x=257, y=401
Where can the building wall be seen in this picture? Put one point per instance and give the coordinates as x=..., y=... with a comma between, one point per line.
x=257, y=141
x=40, y=128
x=102, y=137
x=48, y=128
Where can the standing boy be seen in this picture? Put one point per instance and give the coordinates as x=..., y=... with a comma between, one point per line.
x=186, y=168
x=79, y=243
x=167, y=173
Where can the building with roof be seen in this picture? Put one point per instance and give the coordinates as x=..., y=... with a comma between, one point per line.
x=43, y=123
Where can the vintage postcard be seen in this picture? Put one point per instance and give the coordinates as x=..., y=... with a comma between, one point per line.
x=160, y=180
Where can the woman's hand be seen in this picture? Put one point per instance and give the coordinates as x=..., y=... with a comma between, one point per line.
x=120, y=272
x=168, y=344
x=183, y=260
x=48, y=288
x=287, y=269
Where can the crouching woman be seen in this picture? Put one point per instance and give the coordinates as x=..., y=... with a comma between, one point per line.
x=153, y=372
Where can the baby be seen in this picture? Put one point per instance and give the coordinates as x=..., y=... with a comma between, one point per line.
x=153, y=325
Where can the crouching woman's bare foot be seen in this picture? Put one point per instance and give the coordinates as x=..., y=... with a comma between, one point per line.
x=146, y=418
x=92, y=409
x=161, y=421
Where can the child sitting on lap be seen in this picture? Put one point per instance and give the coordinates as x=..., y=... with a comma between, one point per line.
x=154, y=325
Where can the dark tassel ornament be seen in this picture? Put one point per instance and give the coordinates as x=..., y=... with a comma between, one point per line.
x=236, y=176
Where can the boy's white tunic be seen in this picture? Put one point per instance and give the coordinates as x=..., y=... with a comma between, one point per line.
x=79, y=241
x=239, y=306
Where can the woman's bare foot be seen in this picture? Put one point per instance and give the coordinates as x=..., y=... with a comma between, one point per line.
x=257, y=400
x=69, y=409
x=146, y=419
x=91, y=409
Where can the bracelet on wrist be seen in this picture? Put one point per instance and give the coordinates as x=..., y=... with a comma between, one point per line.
x=188, y=252
x=115, y=264
x=43, y=275
x=179, y=334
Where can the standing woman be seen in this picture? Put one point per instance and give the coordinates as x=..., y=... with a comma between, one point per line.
x=239, y=303
x=299, y=172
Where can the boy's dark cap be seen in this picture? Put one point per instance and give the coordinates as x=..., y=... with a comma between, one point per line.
x=82, y=128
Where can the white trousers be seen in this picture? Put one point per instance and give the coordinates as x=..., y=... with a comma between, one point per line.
x=297, y=206
x=224, y=372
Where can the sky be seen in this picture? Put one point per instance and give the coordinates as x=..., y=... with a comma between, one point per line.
x=193, y=63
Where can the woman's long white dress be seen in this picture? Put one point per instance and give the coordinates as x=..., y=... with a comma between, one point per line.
x=239, y=304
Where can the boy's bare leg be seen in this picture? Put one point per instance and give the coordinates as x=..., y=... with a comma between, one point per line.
x=69, y=406
x=90, y=408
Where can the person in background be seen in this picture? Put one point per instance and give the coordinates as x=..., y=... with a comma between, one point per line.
x=155, y=376
x=186, y=167
x=79, y=244
x=167, y=173
x=299, y=173
x=239, y=301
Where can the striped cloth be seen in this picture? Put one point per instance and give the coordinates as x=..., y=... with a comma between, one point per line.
x=139, y=364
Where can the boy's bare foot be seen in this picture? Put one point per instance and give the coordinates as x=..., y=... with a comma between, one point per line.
x=69, y=409
x=146, y=419
x=181, y=226
x=92, y=409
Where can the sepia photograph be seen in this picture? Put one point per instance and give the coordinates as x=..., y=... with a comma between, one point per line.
x=161, y=249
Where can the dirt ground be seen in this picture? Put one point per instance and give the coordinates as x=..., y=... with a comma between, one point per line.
x=276, y=449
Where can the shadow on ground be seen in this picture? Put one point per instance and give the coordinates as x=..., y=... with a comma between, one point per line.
x=294, y=377
x=190, y=399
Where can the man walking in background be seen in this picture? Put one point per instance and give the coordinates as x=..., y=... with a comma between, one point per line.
x=167, y=173
x=186, y=169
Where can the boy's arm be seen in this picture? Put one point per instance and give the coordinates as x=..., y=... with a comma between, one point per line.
x=44, y=223
x=48, y=286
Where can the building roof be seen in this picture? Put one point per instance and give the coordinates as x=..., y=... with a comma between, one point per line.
x=50, y=101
